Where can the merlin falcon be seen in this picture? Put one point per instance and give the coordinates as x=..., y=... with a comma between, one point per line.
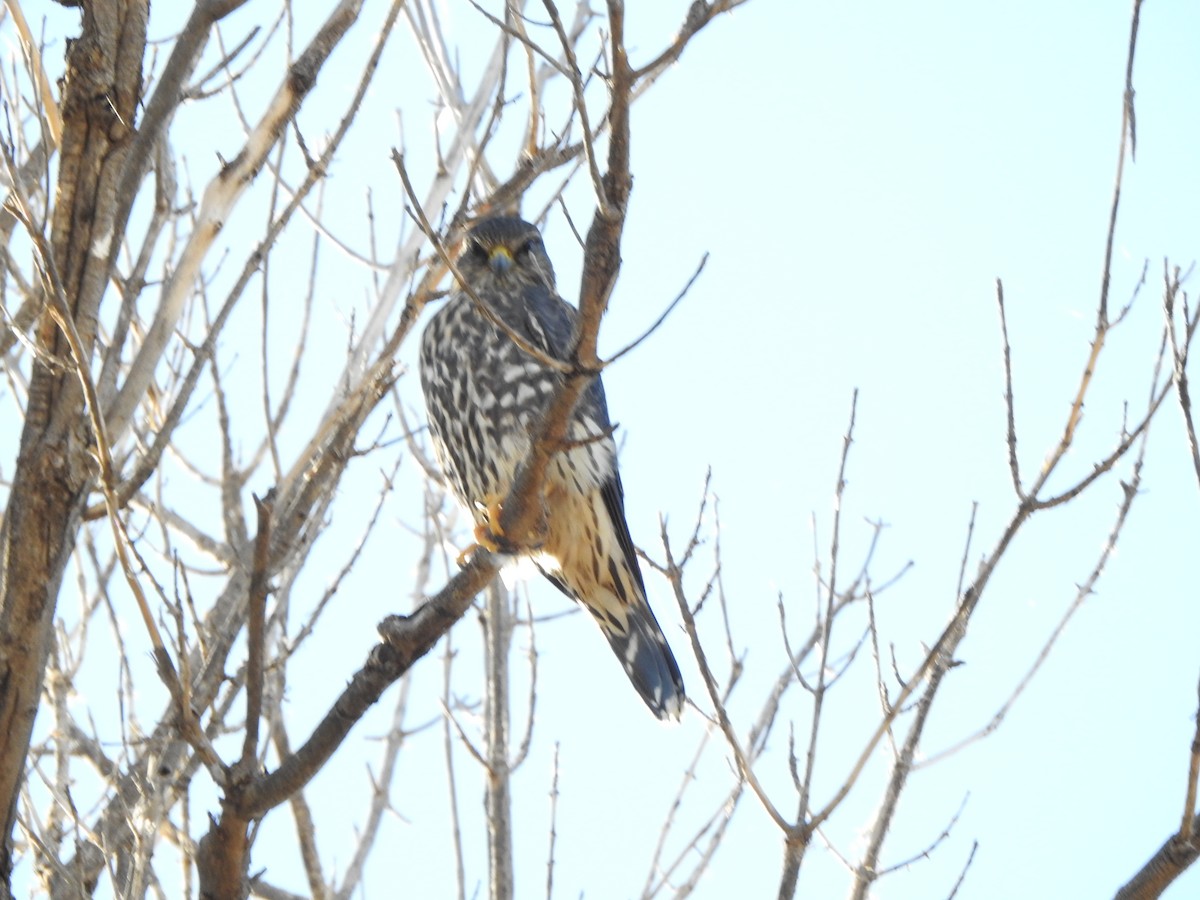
x=486, y=394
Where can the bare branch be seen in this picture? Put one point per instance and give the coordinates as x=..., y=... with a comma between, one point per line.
x=1086, y=589
x=1014, y=468
x=662, y=318
x=255, y=635
x=616, y=13
x=220, y=198
x=553, y=824
x=49, y=106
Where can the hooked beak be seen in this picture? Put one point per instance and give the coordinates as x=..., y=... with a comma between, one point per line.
x=500, y=259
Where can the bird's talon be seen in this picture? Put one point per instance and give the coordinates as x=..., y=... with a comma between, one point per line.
x=489, y=539
x=491, y=507
x=489, y=534
x=484, y=540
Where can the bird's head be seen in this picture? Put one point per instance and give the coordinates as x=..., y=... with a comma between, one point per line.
x=505, y=250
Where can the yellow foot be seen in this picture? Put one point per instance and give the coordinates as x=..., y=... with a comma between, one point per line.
x=488, y=533
x=490, y=540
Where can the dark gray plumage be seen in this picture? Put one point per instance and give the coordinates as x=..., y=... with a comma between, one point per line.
x=486, y=394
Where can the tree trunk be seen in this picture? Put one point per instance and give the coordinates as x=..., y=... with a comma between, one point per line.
x=54, y=469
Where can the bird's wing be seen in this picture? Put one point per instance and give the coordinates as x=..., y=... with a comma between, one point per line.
x=550, y=325
x=614, y=502
x=549, y=320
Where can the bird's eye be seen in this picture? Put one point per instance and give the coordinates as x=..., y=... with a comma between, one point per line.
x=478, y=251
x=530, y=246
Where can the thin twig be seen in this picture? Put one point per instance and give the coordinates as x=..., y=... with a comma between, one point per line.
x=1013, y=466
x=745, y=770
x=51, y=114
x=924, y=854
x=256, y=634
x=553, y=823
x=576, y=78
x=662, y=318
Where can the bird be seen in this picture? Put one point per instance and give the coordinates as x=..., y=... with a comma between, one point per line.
x=486, y=394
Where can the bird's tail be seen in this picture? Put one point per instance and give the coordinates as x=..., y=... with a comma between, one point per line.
x=647, y=659
x=589, y=557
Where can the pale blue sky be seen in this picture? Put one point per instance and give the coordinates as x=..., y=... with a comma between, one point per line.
x=860, y=175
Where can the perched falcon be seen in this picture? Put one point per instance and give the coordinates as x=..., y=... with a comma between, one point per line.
x=485, y=396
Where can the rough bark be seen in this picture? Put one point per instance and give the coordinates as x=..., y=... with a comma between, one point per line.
x=54, y=470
